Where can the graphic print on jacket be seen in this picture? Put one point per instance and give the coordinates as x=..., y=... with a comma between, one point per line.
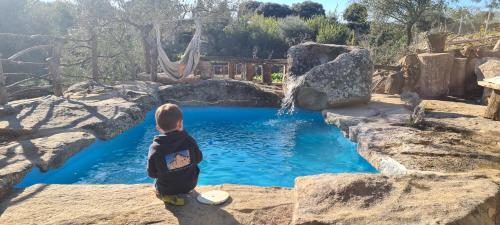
x=173, y=161
x=178, y=160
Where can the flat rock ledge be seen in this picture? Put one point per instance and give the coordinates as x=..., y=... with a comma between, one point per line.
x=44, y=132
x=453, y=138
x=136, y=204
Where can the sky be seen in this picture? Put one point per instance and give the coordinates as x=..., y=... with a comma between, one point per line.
x=341, y=5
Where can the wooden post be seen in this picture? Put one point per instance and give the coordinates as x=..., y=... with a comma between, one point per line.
x=146, y=47
x=4, y=98
x=231, y=70
x=206, y=70
x=249, y=71
x=54, y=66
x=493, y=109
x=267, y=73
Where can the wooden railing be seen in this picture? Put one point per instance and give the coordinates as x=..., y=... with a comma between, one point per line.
x=11, y=84
x=247, y=65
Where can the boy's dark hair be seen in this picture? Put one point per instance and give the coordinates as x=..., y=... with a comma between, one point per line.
x=167, y=116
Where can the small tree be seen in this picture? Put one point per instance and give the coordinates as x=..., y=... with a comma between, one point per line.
x=94, y=16
x=295, y=31
x=333, y=34
x=308, y=9
x=142, y=14
x=274, y=10
x=405, y=12
x=248, y=7
x=357, y=15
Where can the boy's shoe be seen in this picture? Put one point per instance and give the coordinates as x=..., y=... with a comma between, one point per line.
x=173, y=200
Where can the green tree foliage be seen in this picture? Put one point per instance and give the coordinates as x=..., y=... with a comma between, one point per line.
x=248, y=8
x=405, y=12
x=295, y=30
x=257, y=37
x=308, y=9
x=357, y=17
x=274, y=10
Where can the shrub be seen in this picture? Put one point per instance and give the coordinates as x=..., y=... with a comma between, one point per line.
x=317, y=22
x=333, y=34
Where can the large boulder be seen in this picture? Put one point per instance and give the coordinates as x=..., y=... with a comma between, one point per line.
x=323, y=75
x=394, y=83
x=487, y=68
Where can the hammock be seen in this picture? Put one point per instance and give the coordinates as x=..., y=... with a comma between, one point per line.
x=188, y=62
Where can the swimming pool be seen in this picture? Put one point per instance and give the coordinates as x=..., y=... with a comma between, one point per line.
x=241, y=145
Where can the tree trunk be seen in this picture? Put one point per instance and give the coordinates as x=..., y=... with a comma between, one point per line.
x=409, y=34
x=3, y=90
x=493, y=109
x=487, y=22
x=460, y=26
x=54, y=66
x=154, y=60
x=146, y=48
x=94, y=55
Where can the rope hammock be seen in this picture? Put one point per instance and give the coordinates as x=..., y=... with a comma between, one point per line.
x=188, y=62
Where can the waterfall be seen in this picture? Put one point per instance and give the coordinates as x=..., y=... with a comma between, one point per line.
x=288, y=102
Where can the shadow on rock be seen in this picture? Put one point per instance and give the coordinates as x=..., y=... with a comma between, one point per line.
x=195, y=213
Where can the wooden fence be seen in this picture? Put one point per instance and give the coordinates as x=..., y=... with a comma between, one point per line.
x=13, y=84
x=247, y=67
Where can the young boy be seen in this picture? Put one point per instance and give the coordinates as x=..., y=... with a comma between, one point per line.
x=173, y=157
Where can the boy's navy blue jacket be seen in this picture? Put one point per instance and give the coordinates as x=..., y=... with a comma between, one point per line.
x=173, y=160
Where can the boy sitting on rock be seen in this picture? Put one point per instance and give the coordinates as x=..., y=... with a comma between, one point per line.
x=173, y=157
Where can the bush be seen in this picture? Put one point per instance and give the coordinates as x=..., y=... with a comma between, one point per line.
x=317, y=22
x=274, y=10
x=308, y=9
x=333, y=34
x=249, y=7
x=277, y=77
x=295, y=31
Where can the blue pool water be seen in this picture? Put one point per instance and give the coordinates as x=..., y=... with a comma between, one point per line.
x=240, y=145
